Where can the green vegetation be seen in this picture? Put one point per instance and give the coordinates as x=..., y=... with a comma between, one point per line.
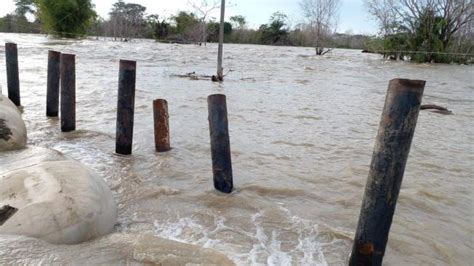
x=63, y=18
x=424, y=31
x=421, y=34
x=75, y=18
x=17, y=21
x=275, y=32
x=66, y=18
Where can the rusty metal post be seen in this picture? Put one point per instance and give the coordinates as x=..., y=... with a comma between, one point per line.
x=162, y=129
x=392, y=146
x=68, y=92
x=52, y=91
x=220, y=143
x=125, y=107
x=13, y=78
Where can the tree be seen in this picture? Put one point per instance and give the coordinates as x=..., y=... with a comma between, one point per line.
x=276, y=31
x=238, y=27
x=187, y=26
x=127, y=19
x=203, y=10
x=160, y=30
x=384, y=13
x=239, y=22
x=321, y=16
x=213, y=31
x=97, y=27
x=24, y=7
x=429, y=25
x=66, y=18
x=454, y=15
x=17, y=21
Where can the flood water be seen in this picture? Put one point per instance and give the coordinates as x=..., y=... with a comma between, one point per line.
x=302, y=130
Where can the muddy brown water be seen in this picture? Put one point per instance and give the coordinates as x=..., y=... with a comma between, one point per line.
x=302, y=130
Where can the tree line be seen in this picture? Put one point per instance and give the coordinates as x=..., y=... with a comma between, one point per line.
x=422, y=30
x=128, y=20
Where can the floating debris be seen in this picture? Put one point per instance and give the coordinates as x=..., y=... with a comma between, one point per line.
x=437, y=109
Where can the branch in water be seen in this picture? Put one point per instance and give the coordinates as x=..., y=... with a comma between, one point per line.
x=437, y=108
x=194, y=76
x=327, y=51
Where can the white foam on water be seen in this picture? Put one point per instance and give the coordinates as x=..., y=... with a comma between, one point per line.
x=308, y=243
x=179, y=230
x=268, y=244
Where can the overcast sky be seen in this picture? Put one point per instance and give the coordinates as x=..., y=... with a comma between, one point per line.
x=352, y=14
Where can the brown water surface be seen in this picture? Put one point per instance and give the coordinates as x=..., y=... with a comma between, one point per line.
x=302, y=130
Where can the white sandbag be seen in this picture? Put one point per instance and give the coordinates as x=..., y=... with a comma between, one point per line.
x=60, y=202
x=12, y=126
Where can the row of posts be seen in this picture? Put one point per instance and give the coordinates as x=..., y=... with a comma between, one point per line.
x=393, y=142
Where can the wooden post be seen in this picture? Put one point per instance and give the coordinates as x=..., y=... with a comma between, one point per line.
x=161, y=118
x=13, y=78
x=68, y=92
x=125, y=107
x=52, y=91
x=392, y=146
x=220, y=143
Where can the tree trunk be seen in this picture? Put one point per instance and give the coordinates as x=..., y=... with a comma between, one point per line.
x=319, y=50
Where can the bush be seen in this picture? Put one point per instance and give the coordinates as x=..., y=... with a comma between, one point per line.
x=66, y=18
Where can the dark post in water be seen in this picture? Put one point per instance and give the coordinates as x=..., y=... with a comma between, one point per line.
x=162, y=129
x=52, y=91
x=13, y=78
x=220, y=143
x=68, y=92
x=390, y=155
x=125, y=107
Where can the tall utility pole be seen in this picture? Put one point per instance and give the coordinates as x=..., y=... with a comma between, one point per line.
x=220, y=75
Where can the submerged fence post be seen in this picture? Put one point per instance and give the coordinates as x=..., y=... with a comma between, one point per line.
x=125, y=107
x=162, y=129
x=390, y=155
x=52, y=91
x=68, y=92
x=220, y=143
x=13, y=78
